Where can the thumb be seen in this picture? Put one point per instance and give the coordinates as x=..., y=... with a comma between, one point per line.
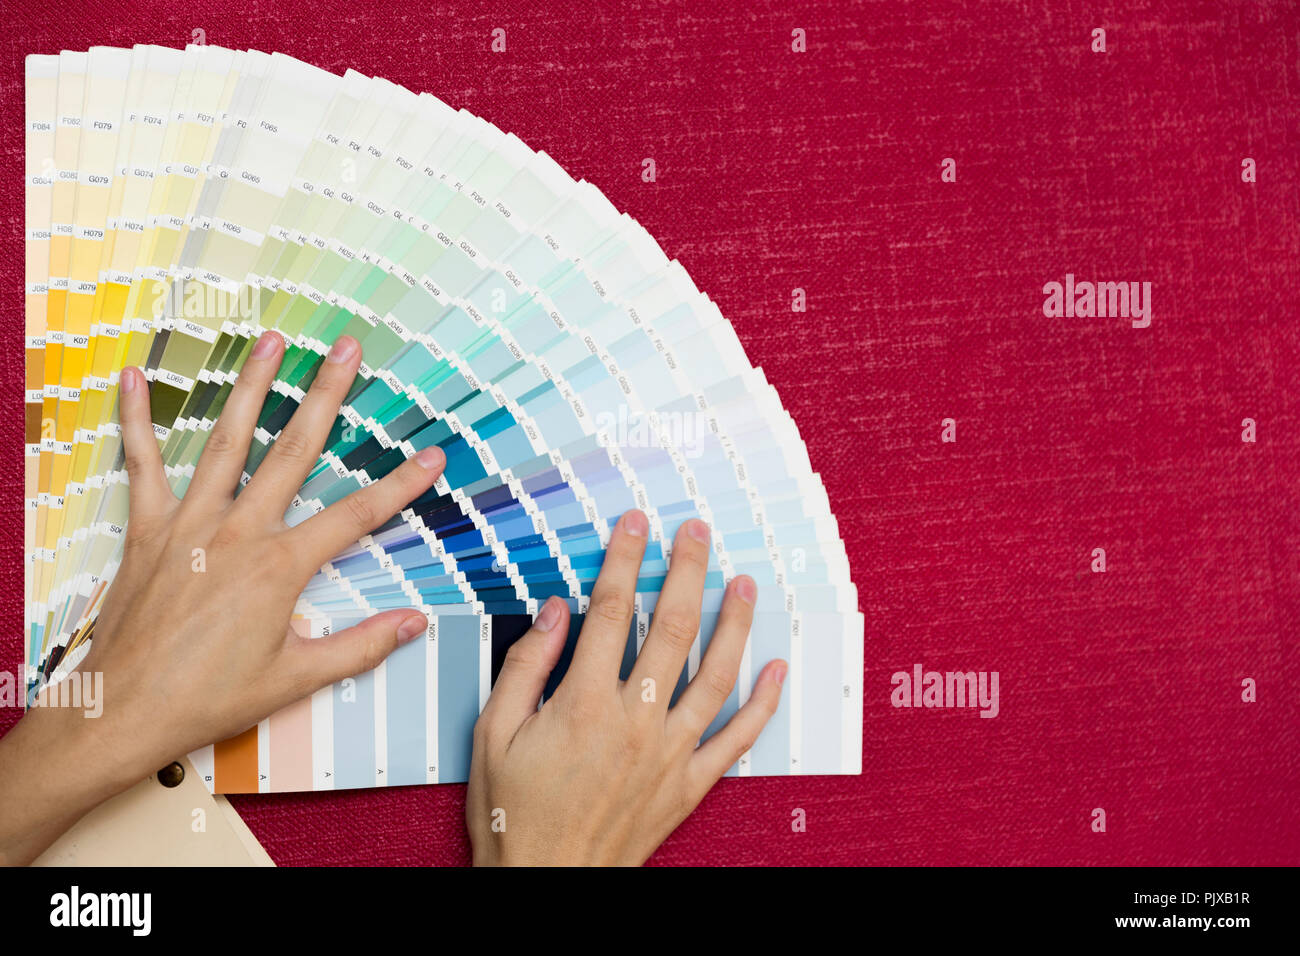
x=360, y=648
x=527, y=666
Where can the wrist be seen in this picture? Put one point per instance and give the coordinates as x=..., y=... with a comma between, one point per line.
x=82, y=753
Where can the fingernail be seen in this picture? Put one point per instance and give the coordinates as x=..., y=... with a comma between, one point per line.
x=549, y=617
x=779, y=672
x=266, y=345
x=342, y=350
x=411, y=628
x=698, y=530
x=128, y=381
x=746, y=591
x=636, y=524
x=430, y=458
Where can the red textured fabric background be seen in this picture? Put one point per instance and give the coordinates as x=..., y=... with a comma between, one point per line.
x=821, y=171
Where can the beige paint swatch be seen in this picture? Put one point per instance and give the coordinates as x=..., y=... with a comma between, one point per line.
x=153, y=825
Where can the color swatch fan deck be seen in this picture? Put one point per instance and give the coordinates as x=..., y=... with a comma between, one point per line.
x=180, y=203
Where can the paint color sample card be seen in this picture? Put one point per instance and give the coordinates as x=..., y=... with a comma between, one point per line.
x=181, y=203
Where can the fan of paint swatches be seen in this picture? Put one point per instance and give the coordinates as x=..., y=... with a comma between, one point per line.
x=180, y=203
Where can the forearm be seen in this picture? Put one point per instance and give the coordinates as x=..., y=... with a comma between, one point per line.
x=55, y=766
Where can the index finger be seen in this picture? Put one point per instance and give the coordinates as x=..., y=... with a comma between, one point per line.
x=609, y=616
x=676, y=620
x=321, y=537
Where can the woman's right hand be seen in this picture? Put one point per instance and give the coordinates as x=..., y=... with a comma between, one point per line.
x=605, y=770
